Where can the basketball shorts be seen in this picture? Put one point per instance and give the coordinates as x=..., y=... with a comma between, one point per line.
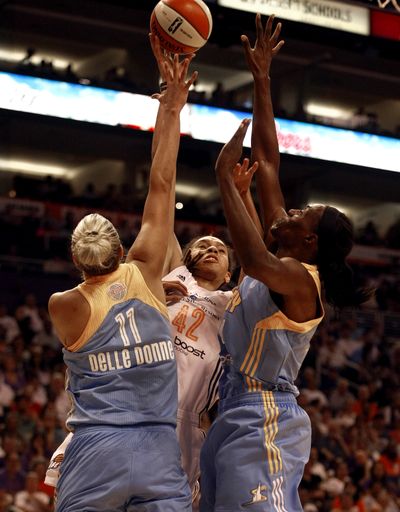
x=254, y=454
x=53, y=470
x=191, y=438
x=132, y=469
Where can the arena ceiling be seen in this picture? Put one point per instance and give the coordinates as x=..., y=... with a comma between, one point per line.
x=325, y=67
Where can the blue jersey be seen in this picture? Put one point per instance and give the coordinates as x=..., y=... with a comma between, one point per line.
x=122, y=370
x=262, y=349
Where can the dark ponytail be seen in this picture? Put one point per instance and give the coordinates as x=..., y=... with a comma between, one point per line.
x=335, y=241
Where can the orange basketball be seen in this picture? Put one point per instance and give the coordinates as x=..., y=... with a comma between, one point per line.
x=182, y=26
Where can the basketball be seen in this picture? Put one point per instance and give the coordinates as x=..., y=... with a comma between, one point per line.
x=182, y=26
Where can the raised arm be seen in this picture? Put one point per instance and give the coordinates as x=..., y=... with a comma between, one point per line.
x=242, y=175
x=285, y=276
x=264, y=142
x=150, y=247
x=164, y=61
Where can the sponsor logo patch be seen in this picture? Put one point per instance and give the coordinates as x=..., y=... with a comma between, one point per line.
x=187, y=349
x=258, y=495
x=116, y=291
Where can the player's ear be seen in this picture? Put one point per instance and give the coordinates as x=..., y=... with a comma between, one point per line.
x=311, y=239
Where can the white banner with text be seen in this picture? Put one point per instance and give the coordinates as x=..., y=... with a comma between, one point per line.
x=324, y=13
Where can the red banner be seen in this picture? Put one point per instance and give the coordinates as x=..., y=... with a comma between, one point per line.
x=385, y=24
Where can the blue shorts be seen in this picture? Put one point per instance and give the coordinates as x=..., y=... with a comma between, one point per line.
x=254, y=454
x=123, y=469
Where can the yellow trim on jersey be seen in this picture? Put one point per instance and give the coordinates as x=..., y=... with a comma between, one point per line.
x=253, y=356
x=248, y=360
x=274, y=457
x=278, y=321
x=234, y=301
x=97, y=290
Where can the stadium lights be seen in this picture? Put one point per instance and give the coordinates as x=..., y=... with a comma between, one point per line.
x=17, y=55
x=328, y=110
x=33, y=168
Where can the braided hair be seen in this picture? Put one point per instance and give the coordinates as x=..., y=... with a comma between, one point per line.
x=335, y=241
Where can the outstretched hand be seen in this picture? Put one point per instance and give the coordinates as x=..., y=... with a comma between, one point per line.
x=243, y=174
x=173, y=73
x=231, y=153
x=176, y=93
x=266, y=47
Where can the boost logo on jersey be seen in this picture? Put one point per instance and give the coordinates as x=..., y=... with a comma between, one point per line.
x=182, y=346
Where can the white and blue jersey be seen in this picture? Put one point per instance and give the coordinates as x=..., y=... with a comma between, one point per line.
x=256, y=449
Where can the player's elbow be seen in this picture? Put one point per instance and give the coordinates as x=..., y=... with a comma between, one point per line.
x=162, y=182
x=252, y=266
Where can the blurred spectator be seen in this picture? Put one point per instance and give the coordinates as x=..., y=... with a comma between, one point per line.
x=6, y=501
x=39, y=466
x=7, y=395
x=9, y=324
x=363, y=407
x=340, y=396
x=59, y=396
x=30, y=499
x=28, y=317
x=392, y=236
x=310, y=389
x=47, y=337
x=390, y=459
x=219, y=96
x=109, y=198
x=89, y=197
x=368, y=235
x=13, y=372
x=12, y=478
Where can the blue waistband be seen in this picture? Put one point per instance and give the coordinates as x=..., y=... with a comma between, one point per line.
x=151, y=427
x=257, y=398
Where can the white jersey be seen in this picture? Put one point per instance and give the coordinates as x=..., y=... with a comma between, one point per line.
x=195, y=322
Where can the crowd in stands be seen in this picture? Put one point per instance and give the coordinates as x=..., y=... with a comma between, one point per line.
x=39, y=230
x=349, y=384
x=124, y=198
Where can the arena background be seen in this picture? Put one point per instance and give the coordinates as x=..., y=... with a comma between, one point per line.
x=63, y=153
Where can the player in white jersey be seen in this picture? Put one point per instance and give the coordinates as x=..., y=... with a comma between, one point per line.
x=195, y=321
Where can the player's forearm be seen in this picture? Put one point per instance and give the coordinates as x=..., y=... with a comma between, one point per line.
x=264, y=141
x=242, y=229
x=163, y=168
x=251, y=210
x=265, y=150
x=157, y=130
